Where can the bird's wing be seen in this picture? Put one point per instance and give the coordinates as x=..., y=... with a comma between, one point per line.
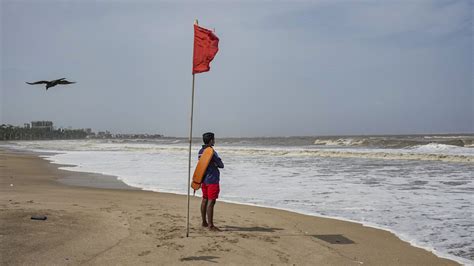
x=65, y=82
x=38, y=82
x=57, y=80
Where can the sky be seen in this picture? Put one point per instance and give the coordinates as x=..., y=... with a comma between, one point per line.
x=299, y=68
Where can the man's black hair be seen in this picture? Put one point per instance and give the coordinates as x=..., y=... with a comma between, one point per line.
x=207, y=137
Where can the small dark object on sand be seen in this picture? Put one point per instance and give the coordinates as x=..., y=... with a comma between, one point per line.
x=39, y=217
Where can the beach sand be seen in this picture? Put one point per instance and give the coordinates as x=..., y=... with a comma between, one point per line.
x=110, y=223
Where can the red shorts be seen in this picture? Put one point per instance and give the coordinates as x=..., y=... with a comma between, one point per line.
x=210, y=191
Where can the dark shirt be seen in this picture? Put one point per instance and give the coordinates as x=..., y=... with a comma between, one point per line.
x=212, y=175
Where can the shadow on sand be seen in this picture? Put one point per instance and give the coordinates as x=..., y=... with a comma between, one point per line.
x=250, y=229
x=203, y=258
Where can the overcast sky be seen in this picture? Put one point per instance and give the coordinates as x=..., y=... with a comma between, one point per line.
x=283, y=69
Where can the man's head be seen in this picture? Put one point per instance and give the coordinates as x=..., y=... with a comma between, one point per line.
x=208, y=138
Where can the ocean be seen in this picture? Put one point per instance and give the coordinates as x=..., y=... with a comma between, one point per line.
x=419, y=187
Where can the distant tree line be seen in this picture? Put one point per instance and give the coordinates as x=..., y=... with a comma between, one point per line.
x=9, y=132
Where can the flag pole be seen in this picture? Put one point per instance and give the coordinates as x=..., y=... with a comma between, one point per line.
x=190, y=144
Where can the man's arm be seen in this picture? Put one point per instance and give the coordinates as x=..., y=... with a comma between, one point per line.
x=217, y=160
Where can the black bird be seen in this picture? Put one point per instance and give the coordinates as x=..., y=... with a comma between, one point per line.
x=52, y=83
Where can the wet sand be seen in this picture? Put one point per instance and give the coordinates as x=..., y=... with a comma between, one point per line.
x=98, y=220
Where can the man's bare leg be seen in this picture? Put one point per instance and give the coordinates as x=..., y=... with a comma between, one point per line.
x=210, y=215
x=203, y=212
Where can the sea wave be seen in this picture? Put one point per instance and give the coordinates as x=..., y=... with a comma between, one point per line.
x=426, y=152
x=394, y=141
x=436, y=147
x=340, y=142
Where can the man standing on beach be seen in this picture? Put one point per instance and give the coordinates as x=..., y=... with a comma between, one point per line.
x=210, y=184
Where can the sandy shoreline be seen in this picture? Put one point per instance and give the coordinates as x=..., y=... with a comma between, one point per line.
x=109, y=223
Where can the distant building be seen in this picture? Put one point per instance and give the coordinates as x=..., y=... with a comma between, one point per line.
x=42, y=125
x=104, y=135
x=26, y=125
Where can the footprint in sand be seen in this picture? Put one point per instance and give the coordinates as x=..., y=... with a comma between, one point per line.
x=107, y=209
x=244, y=236
x=156, y=224
x=214, y=246
x=170, y=245
x=267, y=239
x=282, y=256
x=233, y=241
x=144, y=253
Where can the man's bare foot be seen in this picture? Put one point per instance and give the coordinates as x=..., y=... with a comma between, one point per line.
x=213, y=228
x=204, y=224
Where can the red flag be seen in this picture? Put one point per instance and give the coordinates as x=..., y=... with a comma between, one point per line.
x=205, y=48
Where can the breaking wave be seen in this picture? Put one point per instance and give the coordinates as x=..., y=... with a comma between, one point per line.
x=394, y=141
x=425, y=152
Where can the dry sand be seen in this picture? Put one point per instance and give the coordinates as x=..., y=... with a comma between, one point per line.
x=114, y=224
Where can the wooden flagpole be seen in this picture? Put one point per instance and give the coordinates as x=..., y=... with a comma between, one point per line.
x=190, y=144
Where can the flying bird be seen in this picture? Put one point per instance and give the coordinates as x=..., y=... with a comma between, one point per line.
x=52, y=83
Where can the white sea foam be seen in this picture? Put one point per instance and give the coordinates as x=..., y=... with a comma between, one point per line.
x=431, y=151
x=339, y=142
x=436, y=148
x=426, y=203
